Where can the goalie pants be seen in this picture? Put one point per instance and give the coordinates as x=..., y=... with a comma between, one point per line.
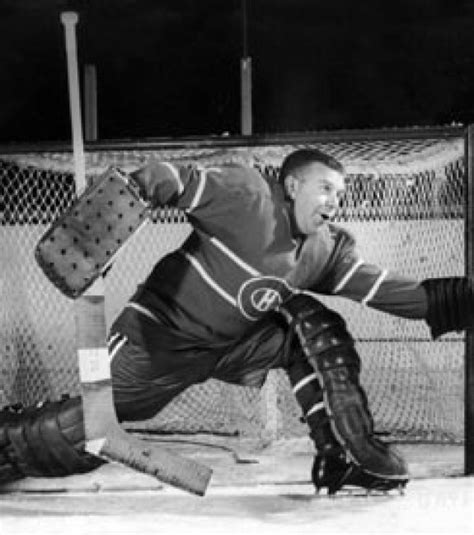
x=152, y=363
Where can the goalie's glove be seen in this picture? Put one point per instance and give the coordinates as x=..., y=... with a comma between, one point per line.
x=450, y=304
x=81, y=244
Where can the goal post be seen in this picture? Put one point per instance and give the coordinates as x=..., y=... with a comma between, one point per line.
x=409, y=201
x=469, y=356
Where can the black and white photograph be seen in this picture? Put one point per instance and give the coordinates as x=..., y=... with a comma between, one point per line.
x=236, y=267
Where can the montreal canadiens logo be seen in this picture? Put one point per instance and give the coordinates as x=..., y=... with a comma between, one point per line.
x=261, y=294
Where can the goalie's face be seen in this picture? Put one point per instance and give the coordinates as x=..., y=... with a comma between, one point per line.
x=316, y=191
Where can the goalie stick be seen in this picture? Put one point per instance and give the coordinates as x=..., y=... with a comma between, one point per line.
x=104, y=435
x=73, y=254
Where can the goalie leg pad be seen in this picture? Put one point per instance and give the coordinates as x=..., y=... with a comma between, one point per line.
x=44, y=441
x=450, y=304
x=8, y=470
x=309, y=396
x=81, y=244
x=329, y=348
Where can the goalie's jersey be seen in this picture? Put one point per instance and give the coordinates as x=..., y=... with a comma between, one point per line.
x=243, y=258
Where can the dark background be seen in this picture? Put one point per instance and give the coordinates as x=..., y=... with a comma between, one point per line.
x=172, y=67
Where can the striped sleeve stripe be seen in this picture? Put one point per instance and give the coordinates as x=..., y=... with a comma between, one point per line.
x=375, y=287
x=175, y=173
x=300, y=384
x=246, y=267
x=199, y=191
x=117, y=347
x=143, y=310
x=113, y=339
x=347, y=277
x=209, y=280
x=115, y=343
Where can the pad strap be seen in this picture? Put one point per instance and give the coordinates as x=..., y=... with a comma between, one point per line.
x=322, y=333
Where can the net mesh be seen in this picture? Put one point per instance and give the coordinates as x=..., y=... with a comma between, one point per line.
x=404, y=203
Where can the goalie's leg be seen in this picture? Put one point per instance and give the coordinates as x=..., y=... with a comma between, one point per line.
x=330, y=468
x=343, y=432
x=45, y=440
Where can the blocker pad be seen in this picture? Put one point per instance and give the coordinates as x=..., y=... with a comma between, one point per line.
x=82, y=242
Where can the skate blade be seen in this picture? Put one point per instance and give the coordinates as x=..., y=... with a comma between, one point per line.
x=348, y=491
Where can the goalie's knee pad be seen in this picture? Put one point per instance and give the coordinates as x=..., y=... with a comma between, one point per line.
x=329, y=348
x=44, y=441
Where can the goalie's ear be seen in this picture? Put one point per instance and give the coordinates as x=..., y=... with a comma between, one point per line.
x=290, y=185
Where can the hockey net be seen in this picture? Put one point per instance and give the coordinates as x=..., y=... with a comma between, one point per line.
x=405, y=205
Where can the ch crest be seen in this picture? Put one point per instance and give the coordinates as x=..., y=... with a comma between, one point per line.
x=259, y=295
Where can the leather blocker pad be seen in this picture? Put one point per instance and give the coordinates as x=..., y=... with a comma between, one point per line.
x=81, y=244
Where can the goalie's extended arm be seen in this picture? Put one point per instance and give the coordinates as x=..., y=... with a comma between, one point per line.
x=84, y=240
x=446, y=304
x=163, y=183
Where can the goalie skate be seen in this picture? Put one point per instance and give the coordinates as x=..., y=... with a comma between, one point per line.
x=335, y=475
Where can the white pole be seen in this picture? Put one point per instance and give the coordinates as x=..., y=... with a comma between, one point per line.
x=69, y=20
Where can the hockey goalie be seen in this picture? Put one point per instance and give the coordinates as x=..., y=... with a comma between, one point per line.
x=240, y=297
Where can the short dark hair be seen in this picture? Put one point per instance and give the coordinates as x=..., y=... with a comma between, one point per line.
x=301, y=158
